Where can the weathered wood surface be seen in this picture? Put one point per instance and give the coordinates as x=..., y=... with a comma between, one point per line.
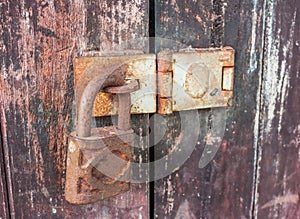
x=224, y=188
x=4, y=208
x=278, y=172
x=39, y=40
x=254, y=174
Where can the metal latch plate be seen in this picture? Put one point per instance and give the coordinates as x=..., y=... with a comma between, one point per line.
x=195, y=79
x=189, y=79
x=141, y=67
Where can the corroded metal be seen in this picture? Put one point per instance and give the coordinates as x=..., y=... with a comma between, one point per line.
x=201, y=78
x=141, y=67
x=228, y=76
x=93, y=80
x=164, y=82
x=123, y=93
x=98, y=163
x=165, y=105
x=189, y=79
x=87, y=157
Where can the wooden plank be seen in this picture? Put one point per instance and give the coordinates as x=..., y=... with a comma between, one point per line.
x=223, y=188
x=277, y=194
x=39, y=40
x=4, y=208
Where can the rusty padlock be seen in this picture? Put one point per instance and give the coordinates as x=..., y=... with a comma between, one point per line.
x=98, y=162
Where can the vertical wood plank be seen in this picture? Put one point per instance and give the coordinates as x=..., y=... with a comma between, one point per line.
x=4, y=208
x=278, y=183
x=224, y=188
x=39, y=40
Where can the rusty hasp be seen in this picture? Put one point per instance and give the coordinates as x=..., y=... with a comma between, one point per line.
x=189, y=79
x=195, y=79
x=98, y=160
x=141, y=67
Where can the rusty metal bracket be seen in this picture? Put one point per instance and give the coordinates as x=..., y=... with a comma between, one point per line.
x=189, y=79
x=195, y=79
x=141, y=67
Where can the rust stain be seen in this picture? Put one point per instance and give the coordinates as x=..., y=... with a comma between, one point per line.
x=165, y=84
x=198, y=18
x=164, y=105
x=164, y=61
x=86, y=183
x=197, y=80
x=140, y=67
x=227, y=56
x=228, y=78
x=93, y=150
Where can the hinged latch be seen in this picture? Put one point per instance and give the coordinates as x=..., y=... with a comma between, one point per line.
x=171, y=81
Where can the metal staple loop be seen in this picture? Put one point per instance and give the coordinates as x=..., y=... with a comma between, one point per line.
x=92, y=81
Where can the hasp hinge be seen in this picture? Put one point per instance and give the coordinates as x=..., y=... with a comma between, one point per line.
x=169, y=81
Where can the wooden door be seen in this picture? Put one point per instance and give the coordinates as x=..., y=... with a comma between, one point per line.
x=4, y=208
x=39, y=40
x=224, y=187
x=256, y=171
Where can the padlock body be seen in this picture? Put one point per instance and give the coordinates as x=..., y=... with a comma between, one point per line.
x=98, y=167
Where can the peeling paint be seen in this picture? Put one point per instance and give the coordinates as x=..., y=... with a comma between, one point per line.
x=170, y=196
x=184, y=211
x=276, y=173
x=54, y=211
x=283, y=84
x=114, y=22
x=289, y=199
x=41, y=40
x=271, y=67
x=253, y=57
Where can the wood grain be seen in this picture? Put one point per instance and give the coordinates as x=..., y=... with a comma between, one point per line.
x=278, y=173
x=254, y=174
x=224, y=188
x=39, y=40
x=4, y=208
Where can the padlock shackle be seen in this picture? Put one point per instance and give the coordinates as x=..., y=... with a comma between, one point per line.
x=94, y=79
